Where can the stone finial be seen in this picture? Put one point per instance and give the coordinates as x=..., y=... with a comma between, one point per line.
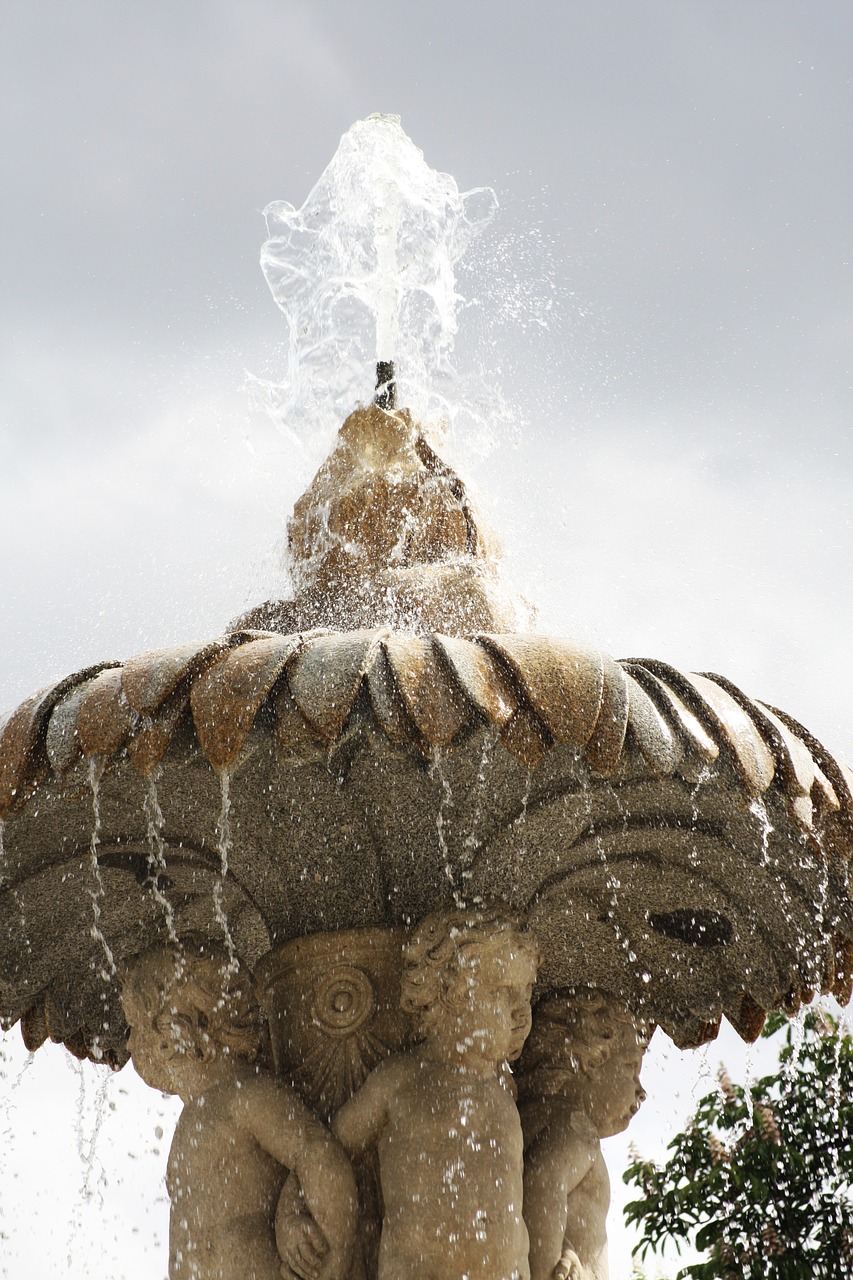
x=386, y=534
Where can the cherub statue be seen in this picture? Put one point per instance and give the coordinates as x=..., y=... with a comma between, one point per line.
x=578, y=1082
x=195, y=1030
x=442, y=1115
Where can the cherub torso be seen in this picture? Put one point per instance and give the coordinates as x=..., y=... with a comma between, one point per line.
x=224, y=1190
x=584, y=1168
x=451, y=1169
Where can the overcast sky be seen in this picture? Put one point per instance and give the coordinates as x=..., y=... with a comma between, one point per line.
x=675, y=189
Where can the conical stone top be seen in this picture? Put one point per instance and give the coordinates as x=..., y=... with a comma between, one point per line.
x=386, y=535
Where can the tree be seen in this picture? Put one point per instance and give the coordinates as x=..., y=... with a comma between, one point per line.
x=761, y=1181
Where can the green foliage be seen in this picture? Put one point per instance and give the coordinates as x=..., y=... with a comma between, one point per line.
x=762, y=1183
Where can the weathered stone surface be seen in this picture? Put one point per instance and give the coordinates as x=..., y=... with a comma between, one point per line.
x=22, y=738
x=196, y=1031
x=149, y=679
x=104, y=718
x=386, y=534
x=226, y=697
x=365, y=786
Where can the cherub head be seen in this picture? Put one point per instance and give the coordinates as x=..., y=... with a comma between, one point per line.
x=468, y=977
x=586, y=1046
x=189, y=1009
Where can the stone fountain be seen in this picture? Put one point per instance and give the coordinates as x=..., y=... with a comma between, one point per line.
x=311, y=804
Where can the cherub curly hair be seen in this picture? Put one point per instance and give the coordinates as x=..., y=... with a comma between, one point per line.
x=575, y=1030
x=435, y=955
x=204, y=990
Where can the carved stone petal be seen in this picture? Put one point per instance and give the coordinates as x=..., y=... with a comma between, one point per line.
x=149, y=679
x=525, y=738
x=798, y=761
x=827, y=790
x=748, y=1018
x=433, y=702
x=847, y=774
x=652, y=734
x=387, y=701
x=104, y=718
x=685, y=725
x=34, y=1028
x=62, y=741
x=326, y=676
x=481, y=679
x=21, y=735
x=722, y=716
x=563, y=682
x=604, y=749
x=832, y=776
x=226, y=697
x=297, y=737
x=754, y=757
x=690, y=1031
x=794, y=762
x=151, y=740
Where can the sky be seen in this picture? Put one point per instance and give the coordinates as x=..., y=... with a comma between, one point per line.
x=664, y=297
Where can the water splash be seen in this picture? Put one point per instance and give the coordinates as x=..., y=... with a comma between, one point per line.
x=364, y=272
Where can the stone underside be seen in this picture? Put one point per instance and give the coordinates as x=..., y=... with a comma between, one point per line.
x=671, y=841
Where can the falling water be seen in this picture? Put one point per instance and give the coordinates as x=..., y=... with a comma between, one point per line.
x=704, y=776
x=89, y=1148
x=471, y=843
x=759, y=809
x=96, y=888
x=80, y=1134
x=157, y=856
x=440, y=823
x=223, y=831
x=364, y=272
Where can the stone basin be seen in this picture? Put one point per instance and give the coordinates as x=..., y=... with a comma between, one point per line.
x=669, y=839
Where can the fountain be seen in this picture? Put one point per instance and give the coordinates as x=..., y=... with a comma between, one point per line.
x=316, y=864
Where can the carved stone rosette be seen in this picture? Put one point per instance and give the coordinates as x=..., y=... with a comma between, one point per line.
x=332, y=1001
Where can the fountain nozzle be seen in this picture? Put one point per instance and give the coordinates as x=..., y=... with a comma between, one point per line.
x=386, y=385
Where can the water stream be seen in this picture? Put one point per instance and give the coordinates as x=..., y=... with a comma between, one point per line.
x=223, y=830
x=96, y=887
x=157, y=857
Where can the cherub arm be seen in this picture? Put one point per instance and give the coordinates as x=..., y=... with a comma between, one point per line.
x=555, y=1164
x=359, y=1124
x=298, y=1140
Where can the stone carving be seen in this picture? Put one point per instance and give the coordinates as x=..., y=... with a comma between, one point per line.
x=196, y=1030
x=442, y=1115
x=387, y=532
x=333, y=1004
x=409, y=1040
x=579, y=1082
x=548, y=765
